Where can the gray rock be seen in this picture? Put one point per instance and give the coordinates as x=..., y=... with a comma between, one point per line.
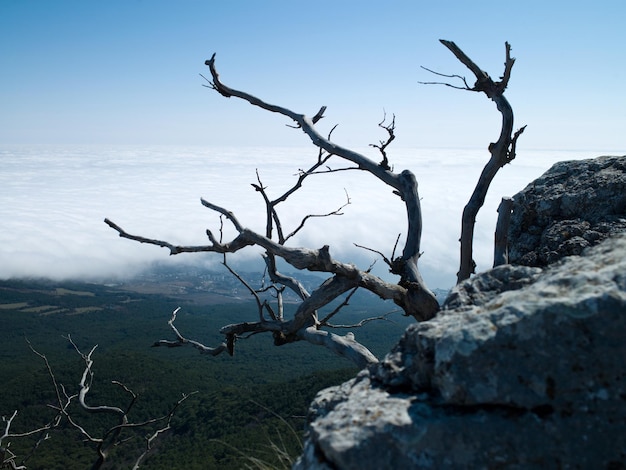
x=485, y=286
x=524, y=368
x=573, y=205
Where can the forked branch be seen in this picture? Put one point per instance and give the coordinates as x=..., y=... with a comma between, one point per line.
x=181, y=340
x=410, y=292
x=109, y=438
x=502, y=151
x=383, y=144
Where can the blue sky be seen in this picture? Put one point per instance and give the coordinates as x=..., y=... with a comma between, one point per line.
x=127, y=72
x=125, y=75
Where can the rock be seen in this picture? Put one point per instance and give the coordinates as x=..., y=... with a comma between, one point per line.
x=523, y=368
x=485, y=286
x=573, y=205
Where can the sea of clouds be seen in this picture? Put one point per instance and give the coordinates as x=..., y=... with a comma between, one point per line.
x=53, y=201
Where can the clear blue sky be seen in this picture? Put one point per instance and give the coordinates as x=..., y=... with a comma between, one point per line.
x=127, y=71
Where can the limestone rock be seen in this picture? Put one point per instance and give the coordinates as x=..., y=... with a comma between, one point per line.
x=524, y=368
x=573, y=205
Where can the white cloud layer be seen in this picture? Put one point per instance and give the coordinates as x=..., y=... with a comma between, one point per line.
x=53, y=201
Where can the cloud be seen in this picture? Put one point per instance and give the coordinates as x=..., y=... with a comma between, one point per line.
x=54, y=199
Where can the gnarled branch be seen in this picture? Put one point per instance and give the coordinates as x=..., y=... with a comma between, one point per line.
x=502, y=151
x=181, y=340
x=410, y=292
x=405, y=186
x=345, y=346
x=108, y=439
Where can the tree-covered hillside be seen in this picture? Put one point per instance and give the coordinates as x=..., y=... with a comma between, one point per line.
x=241, y=405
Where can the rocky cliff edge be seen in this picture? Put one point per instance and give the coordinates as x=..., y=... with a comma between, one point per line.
x=525, y=366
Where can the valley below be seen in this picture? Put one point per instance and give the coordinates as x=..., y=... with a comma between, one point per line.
x=238, y=406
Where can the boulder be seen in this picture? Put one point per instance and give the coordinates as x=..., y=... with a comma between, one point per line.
x=524, y=366
x=575, y=204
x=532, y=377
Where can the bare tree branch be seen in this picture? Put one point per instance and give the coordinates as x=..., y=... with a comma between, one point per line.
x=85, y=386
x=174, y=250
x=181, y=340
x=110, y=437
x=344, y=346
x=157, y=433
x=288, y=281
x=257, y=299
x=410, y=292
x=328, y=214
x=385, y=259
x=324, y=321
x=362, y=322
x=382, y=146
x=464, y=87
x=404, y=183
x=8, y=457
x=502, y=151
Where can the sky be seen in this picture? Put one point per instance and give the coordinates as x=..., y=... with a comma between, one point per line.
x=127, y=71
x=103, y=113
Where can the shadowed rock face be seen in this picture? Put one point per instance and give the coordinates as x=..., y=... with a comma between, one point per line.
x=523, y=368
x=572, y=206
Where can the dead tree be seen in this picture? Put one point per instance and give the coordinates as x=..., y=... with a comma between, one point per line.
x=410, y=291
x=67, y=408
x=502, y=151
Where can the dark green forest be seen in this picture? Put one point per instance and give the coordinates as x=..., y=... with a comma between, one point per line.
x=239, y=407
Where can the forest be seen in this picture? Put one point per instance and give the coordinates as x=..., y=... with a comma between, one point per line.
x=247, y=408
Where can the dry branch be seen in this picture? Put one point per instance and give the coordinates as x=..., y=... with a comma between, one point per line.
x=102, y=444
x=383, y=144
x=502, y=151
x=347, y=276
x=410, y=292
x=344, y=346
x=181, y=340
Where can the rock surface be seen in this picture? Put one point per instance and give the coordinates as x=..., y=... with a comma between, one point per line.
x=573, y=205
x=525, y=367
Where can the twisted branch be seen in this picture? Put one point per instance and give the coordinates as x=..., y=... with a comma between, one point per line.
x=502, y=151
